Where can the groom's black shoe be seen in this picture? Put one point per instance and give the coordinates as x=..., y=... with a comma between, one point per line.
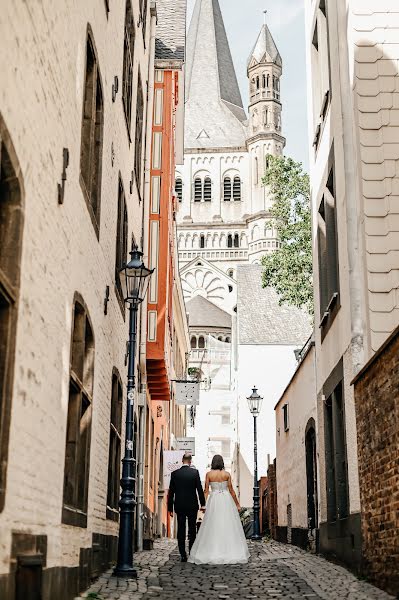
x=184, y=558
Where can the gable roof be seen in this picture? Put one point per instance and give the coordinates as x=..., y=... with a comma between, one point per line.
x=260, y=318
x=170, y=36
x=202, y=313
x=213, y=97
x=265, y=49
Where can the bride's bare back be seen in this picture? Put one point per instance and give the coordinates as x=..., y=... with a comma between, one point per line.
x=217, y=476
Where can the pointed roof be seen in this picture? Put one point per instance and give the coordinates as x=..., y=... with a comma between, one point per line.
x=202, y=313
x=265, y=49
x=213, y=97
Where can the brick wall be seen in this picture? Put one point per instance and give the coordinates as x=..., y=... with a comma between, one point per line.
x=272, y=500
x=377, y=416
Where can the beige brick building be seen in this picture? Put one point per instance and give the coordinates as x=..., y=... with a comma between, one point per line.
x=352, y=53
x=73, y=114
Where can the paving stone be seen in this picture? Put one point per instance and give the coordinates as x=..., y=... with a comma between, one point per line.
x=274, y=571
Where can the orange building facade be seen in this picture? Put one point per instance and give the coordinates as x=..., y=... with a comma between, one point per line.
x=167, y=344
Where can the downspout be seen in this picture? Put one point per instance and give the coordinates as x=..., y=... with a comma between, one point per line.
x=145, y=247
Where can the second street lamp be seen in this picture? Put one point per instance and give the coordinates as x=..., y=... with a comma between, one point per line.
x=255, y=405
x=134, y=279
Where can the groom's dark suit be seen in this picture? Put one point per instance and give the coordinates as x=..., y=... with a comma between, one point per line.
x=184, y=492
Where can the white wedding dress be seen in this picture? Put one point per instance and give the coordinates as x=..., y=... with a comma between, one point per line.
x=221, y=539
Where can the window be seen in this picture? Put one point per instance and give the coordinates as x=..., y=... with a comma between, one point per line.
x=230, y=273
x=114, y=457
x=336, y=456
x=227, y=189
x=193, y=342
x=92, y=136
x=197, y=190
x=179, y=189
x=263, y=80
x=107, y=6
x=201, y=342
x=139, y=134
x=78, y=436
x=121, y=239
x=237, y=189
x=202, y=241
x=236, y=240
x=268, y=80
x=320, y=64
x=128, y=56
x=143, y=12
x=207, y=189
x=328, y=251
x=257, y=83
x=286, y=417
x=229, y=241
x=11, y=230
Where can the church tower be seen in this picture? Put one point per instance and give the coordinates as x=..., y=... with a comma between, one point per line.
x=264, y=70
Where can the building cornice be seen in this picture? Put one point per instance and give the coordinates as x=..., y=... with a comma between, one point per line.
x=223, y=150
x=266, y=136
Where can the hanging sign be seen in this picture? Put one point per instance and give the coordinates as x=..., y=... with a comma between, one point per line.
x=187, y=393
x=172, y=460
x=187, y=444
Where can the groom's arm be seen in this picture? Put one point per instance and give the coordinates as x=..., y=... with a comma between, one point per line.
x=200, y=491
x=171, y=494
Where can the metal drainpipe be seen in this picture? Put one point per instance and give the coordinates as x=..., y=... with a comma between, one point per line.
x=145, y=236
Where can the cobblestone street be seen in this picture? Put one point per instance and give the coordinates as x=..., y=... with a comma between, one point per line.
x=274, y=571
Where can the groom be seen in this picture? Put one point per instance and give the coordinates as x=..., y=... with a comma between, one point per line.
x=184, y=492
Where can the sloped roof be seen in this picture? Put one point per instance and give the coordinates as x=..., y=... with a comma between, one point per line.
x=265, y=49
x=170, y=37
x=202, y=313
x=261, y=320
x=214, y=109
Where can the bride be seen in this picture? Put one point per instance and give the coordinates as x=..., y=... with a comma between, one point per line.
x=221, y=538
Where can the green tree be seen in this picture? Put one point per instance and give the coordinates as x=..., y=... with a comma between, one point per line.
x=289, y=270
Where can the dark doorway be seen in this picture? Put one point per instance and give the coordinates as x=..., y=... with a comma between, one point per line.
x=29, y=578
x=311, y=475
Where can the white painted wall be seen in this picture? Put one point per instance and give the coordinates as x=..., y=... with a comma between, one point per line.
x=269, y=368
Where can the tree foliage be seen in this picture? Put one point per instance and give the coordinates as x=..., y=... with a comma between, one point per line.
x=289, y=270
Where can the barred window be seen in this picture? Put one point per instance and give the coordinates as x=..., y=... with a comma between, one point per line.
x=128, y=56
x=114, y=457
x=207, y=189
x=92, y=135
x=179, y=189
x=78, y=436
x=237, y=189
x=11, y=230
x=227, y=189
x=197, y=189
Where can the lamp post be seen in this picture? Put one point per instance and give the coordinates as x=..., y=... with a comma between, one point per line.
x=134, y=279
x=255, y=404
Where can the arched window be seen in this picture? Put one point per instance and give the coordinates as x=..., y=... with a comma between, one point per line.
x=201, y=342
x=268, y=80
x=265, y=117
x=197, y=189
x=78, y=435
x=220, y=339
x=202, y=241
x=236, y=240
x=207, y=189
x=257, y=83
x=92, y=135
x=114, y=455
x=230, y=273
x=237, y=188
x=264, y=80
x=227, y=189
x=11, y=230
x=256, y=171
x=193, y=342
x=229, y=241
x=179, y=188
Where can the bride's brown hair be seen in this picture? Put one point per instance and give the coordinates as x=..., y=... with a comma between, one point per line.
x=217, y=463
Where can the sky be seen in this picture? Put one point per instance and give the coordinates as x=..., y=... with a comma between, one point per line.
x=243, y=20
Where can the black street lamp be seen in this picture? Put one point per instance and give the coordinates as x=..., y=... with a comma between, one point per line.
x=255, y=404
x=134, y=278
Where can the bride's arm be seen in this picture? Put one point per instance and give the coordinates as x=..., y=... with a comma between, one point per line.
x=233, y=494
x=206, y=490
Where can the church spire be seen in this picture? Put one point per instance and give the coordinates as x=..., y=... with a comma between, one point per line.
x=214, y=110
